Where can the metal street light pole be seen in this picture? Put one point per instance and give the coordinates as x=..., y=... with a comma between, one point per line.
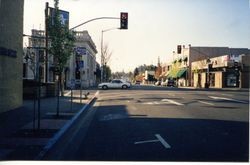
x=103, y=74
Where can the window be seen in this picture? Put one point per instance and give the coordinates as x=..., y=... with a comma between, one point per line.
x=231, y=80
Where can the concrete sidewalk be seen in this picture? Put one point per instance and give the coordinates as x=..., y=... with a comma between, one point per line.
x=20, y=139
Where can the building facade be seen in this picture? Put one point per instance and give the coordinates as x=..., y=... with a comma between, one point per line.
x=183, y=58
x=82, y=65
x=11, y=52
x=34, y=56
x=221, y=72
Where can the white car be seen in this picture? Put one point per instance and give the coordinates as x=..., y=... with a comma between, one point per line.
x=115, y=84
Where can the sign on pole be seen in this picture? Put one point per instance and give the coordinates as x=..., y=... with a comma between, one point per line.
x=72, y=83
x=63, y=15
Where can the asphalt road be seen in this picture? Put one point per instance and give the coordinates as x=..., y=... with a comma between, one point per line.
x=160, y=124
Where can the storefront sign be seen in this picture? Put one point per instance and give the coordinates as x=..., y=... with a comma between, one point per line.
x=8, y=52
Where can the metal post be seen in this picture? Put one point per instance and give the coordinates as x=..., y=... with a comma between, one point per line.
x=39, y=93
x=71, y=97
x=208, y=76
x=103, y=71
x=80, y=88
x=101, y=56
x=34, y=109
x=46, y=42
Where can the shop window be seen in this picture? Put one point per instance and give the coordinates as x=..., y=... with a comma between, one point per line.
x=231, y=80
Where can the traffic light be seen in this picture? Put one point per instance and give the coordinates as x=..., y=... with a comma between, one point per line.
x=124, y=21
x=178, y=49
x=77, y=74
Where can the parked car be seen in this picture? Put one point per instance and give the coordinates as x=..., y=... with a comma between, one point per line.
x=169, y=83
x=116, y=83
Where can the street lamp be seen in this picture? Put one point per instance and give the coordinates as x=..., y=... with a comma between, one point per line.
x=103, y=62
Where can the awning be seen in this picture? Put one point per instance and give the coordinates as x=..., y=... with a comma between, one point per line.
x=178, y=73
x=181, y=73
x=172, y=74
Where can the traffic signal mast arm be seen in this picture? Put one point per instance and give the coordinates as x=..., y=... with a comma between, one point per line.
x=93, y=20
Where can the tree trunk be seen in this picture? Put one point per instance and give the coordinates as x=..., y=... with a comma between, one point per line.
x=62, y=84
x=58, y=94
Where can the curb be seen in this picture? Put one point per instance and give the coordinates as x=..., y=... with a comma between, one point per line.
x=61, y=132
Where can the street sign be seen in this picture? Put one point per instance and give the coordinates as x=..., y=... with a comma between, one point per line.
x=63, y=15
x=80, y=50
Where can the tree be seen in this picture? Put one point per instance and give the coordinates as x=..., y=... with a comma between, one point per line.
x=136, y=72
x=107, y=72
x=62, y=43
x=158, y=72
x=106, y=56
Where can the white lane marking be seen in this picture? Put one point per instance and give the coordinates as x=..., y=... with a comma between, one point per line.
x=149, y=103
x=67, y=94
x=203, y=102
x=155, y=102
x=229, y=99
x=163, y=142
x=172, y=101
x=146, y=141
x=159, y=139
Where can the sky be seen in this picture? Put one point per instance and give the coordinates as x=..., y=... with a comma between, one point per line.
x=155, y=27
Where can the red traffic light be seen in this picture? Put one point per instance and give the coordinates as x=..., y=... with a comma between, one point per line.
x=124, y=21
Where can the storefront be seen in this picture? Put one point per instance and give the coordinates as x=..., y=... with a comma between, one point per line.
x=218, y=72
x=180, y=75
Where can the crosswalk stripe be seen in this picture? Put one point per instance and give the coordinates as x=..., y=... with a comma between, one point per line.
x=171, y=101
x=229, y=99
x=206, y=103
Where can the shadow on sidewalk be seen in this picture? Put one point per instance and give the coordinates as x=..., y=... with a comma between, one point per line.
x=20, y=138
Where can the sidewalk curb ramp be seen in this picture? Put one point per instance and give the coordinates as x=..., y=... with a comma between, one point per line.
x=61, y=132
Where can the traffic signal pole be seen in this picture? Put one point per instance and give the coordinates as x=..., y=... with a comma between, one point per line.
x=93, y=20
x=123, y=25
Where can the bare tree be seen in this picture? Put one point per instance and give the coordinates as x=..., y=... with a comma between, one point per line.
x=106, y=56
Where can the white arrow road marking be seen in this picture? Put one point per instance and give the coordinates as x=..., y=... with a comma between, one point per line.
x=172, y=101
x=163, y=101
x=203, y=102
x=146, y=141
x=229, y=99
x=67, y=94
x=159, y=139
x=163, y=142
